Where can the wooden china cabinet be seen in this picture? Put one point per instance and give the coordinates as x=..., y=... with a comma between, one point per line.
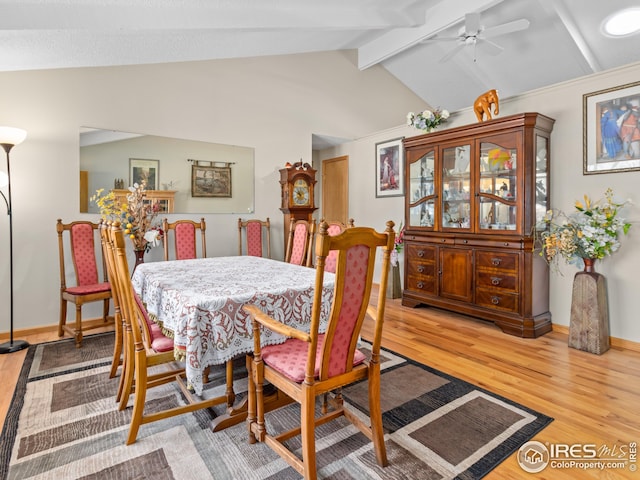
x=474, y=195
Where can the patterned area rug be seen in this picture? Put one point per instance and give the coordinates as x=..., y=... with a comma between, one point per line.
x=63, y=423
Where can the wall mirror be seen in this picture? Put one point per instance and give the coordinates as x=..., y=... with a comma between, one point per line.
x=111, y=159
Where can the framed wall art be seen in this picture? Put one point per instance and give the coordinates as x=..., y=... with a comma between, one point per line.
x=390, y=168
x=210, y=181
x=147, y=171
x=611, y=124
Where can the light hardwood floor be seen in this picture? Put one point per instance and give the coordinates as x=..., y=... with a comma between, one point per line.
x=593, y=399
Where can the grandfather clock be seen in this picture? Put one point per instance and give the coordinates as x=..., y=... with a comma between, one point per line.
x=297, y=182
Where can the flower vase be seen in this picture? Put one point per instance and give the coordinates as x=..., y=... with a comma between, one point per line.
x=589, y=265
x=394, y=288
x=589, y=321
x=139, y=258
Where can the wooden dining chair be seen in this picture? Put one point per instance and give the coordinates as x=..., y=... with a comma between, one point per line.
x=107, y=252
x=335, y=228
x=309, y=364
x=299, y=242
x=147, y=347
x=254, y=236
x=184, y=238
x=79, y=237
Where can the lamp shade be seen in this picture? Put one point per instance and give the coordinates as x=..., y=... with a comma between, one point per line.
x=12, y=136
x=4, y=180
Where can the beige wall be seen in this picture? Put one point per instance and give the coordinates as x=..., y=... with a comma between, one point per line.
x=563, y=102
x=272, y=104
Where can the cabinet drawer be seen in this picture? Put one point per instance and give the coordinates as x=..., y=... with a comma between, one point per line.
x=500, y=260
x=484, y=243
x=421, y=253
x=421, y=269
x=497, y=300
x=421, y=284
x=497, y=280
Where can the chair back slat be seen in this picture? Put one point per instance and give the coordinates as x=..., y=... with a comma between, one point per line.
x=129, y=307
x=254, y=239
x=335, y=228
x=185, y=241
x=84, y=254
x=298, y=251
x=109, y=257
x=300, y=236
x=356, y=276
x=355, y=251
x=253, y=233
x=184, y=234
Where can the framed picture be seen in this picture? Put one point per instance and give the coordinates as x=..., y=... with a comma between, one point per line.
x=390, y=168
x=210, y=181
x=611, y=121
x=146, y=171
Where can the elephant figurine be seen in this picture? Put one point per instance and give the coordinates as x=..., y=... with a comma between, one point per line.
x=483, y=103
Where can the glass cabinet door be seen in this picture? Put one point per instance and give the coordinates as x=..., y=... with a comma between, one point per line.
x=456, y=187
x=422, y=191
x=542, y=180
x=498, y=192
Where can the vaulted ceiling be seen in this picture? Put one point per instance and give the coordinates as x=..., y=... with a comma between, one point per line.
x=409, y=38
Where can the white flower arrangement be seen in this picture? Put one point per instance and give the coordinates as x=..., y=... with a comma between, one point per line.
x=592, y=231
x=427, y=120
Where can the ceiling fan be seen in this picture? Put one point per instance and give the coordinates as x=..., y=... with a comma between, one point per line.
x=476, y=35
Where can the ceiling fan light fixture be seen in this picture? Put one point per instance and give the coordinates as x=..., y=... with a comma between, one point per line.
x=622, y=23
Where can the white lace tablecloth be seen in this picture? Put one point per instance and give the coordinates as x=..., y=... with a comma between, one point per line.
x=200, y=301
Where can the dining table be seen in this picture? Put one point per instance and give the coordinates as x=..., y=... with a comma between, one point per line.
x=199, y=303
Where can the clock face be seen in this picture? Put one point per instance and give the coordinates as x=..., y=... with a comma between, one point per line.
x=301, y=195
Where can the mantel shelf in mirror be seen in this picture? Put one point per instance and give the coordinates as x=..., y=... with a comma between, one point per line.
x=164, y=198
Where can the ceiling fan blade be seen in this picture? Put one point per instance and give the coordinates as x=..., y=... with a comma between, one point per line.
x=505, y=28
x=452, y=52
x=472, y=23
x=489, y=47
x=446, y=39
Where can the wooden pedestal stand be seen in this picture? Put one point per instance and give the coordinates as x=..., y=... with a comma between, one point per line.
x=394, y=288
x=589, y=324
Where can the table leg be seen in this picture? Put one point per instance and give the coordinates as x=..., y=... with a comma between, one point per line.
x=231, y=395
x=235, y=414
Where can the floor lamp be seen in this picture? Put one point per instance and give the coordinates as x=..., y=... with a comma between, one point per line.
x=9, y=138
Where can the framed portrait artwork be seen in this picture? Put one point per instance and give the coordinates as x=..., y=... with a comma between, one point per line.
x=210, y=181
x=390, y=168
x=147, y=171
x=611, y=124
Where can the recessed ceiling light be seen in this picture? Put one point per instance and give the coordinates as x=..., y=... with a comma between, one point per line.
x=624, y=22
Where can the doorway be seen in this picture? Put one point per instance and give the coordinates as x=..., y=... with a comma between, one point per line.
x=335, y=189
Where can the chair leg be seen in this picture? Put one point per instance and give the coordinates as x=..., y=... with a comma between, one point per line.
x=117, y=348
x=307, y=434
x=138, y=403
x=258, y=379
x=105, y=311
x=251, y=399
x=78, y=330
x=126, y=385
x=63, y=317
x=375, y=416
x=229, y=393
